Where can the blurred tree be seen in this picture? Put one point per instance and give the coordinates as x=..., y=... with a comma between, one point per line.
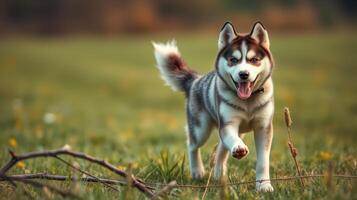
x=349, y=7
x=118, y=16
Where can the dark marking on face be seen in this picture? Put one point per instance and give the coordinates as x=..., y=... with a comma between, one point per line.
x=260, y=51
x=259, y=54
x=228, y=55
x=255, y=61
x=231, y=60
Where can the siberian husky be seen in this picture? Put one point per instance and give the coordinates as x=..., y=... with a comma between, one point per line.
x=236, y=97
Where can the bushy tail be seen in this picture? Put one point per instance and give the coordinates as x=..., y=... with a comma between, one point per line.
x=172, y=68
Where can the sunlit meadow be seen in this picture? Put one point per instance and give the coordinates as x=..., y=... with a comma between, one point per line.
x=104, y=97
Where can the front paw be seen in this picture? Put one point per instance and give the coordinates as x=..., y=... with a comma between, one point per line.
x=264, y=187
x=240, y=151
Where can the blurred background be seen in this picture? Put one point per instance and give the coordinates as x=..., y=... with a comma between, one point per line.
x=82, y=72
x=116, y=17
x=88, y=66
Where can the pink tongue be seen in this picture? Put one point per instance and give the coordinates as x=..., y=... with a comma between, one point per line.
x=244, y=90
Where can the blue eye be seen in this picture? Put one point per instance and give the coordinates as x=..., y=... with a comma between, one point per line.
x=233, y=60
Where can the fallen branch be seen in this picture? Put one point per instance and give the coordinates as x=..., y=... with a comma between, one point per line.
x=46, y=176
x=66, y=151
x=51, y=188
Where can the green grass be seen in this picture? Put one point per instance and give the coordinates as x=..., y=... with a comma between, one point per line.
x=109, y=102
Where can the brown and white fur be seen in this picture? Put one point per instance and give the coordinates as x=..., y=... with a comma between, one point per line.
x=236, y=97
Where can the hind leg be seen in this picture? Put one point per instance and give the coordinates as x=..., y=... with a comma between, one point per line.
x=199, y=129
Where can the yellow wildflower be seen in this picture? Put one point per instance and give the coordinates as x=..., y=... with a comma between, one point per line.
x=172, y=124
x=325, y=155
x=134, y=165
x=12, y=142
x=20, y=165
x=125, y=135
x=121, y=167
x=124, y=168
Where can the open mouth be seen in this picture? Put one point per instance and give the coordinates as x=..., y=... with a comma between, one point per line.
x=244, y=88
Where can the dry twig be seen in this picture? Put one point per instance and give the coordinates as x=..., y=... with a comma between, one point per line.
x=46, y=176
x=212, y=163
x=165, y=190
x=75, y=168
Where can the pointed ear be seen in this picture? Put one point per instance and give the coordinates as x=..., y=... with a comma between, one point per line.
x=259, y=34
x=226, y=35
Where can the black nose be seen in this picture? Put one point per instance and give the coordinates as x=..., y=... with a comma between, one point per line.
x=244, y=75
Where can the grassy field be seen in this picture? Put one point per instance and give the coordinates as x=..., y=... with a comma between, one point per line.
x=104, y=97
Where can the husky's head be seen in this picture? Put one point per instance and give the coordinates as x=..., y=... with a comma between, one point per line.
x=244, y=62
